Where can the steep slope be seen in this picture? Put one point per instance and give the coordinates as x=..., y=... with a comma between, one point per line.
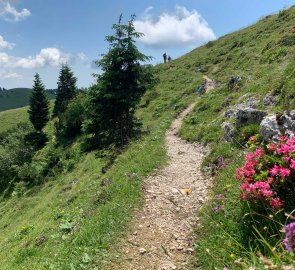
x=72, y=221
x=261, y=57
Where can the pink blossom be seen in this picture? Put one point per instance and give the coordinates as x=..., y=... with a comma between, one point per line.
x=282, y=138
x=287, y=159
x=244, y=186
x=284, y=172
x=285, y=149
x=255, y=167
x=243, y=196
x=271, y=146
x=249, y=172
x=270, y=179
x=239, y=173
x=275, y=170
x=291, y=141
x=276, y=203
x=258, y=152
x=267, y=193
x=250, y=157
x=257, y=190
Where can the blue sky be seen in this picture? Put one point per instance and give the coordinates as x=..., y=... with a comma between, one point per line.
x=39, y=35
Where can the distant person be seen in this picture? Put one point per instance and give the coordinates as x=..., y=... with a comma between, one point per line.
x=201, y=89
x=169, y=58
x=165, y=57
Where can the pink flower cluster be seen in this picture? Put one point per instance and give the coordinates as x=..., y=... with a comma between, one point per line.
x=266, y=170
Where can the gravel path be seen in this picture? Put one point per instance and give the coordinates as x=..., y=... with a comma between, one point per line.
x=210, y=84
x=162, y=234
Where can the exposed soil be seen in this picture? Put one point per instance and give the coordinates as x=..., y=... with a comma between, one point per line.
x=162, y=235
x=210, y=84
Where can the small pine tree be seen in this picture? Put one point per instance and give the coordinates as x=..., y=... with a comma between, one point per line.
x=112, y=101
x=66, y=90
x=39, y=105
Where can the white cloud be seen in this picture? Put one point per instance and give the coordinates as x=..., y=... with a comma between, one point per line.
x=46, y=57
x=10, y=14
x=4, y=58
x=5, y=44
x=182, y=28
x=4, y=74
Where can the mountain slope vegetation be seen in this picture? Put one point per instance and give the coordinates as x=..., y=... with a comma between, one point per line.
x=17, y=97
x=262, y=57
x=73, y=220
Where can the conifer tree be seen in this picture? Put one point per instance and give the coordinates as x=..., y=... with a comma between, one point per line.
x=119, y=88
x=39, y=105
x=66, y=90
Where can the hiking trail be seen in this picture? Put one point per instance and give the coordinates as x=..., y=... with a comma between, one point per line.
x=209, y=83
x=162, y=235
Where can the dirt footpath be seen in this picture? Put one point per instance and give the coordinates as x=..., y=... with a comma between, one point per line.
x=162, y=237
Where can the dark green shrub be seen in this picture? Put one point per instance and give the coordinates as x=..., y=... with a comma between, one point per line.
x=274, y=55
x=36, y=139
x=288, y=40
x=210, y=44
x=69, y=124
x=14, y=152
x=283, y=14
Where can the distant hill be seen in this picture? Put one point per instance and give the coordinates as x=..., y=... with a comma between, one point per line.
x=18, y=97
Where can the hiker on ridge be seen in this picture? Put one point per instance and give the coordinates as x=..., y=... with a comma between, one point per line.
x=165, y=57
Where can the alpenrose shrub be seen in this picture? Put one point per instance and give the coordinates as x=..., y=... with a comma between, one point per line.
x=268, y=174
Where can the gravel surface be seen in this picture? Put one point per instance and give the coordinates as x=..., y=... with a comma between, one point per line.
x=162, y=234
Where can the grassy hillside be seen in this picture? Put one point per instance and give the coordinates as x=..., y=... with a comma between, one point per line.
x=263, y=56
x=72, y=221
x=10, y=118
x=16, y=98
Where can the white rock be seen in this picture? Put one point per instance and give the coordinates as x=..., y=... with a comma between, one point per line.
x=142, y=251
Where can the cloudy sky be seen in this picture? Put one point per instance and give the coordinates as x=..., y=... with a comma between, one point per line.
x=40, y=35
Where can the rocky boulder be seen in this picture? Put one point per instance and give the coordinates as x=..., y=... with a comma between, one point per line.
x=232, y=112
x=270, y=100
x=288, y=122
x=249, y=116
x=269, y=128
x=252, y=102
x=272, y=126
x=229, y=131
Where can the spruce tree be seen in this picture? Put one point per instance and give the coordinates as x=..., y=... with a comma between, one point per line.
x=66, y=90
x=112, y=101
x=39, y=105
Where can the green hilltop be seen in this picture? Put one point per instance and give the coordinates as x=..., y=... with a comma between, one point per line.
x=83, y=194
x=16, y=98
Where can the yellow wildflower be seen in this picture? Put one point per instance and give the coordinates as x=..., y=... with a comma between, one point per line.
x=187, y=191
